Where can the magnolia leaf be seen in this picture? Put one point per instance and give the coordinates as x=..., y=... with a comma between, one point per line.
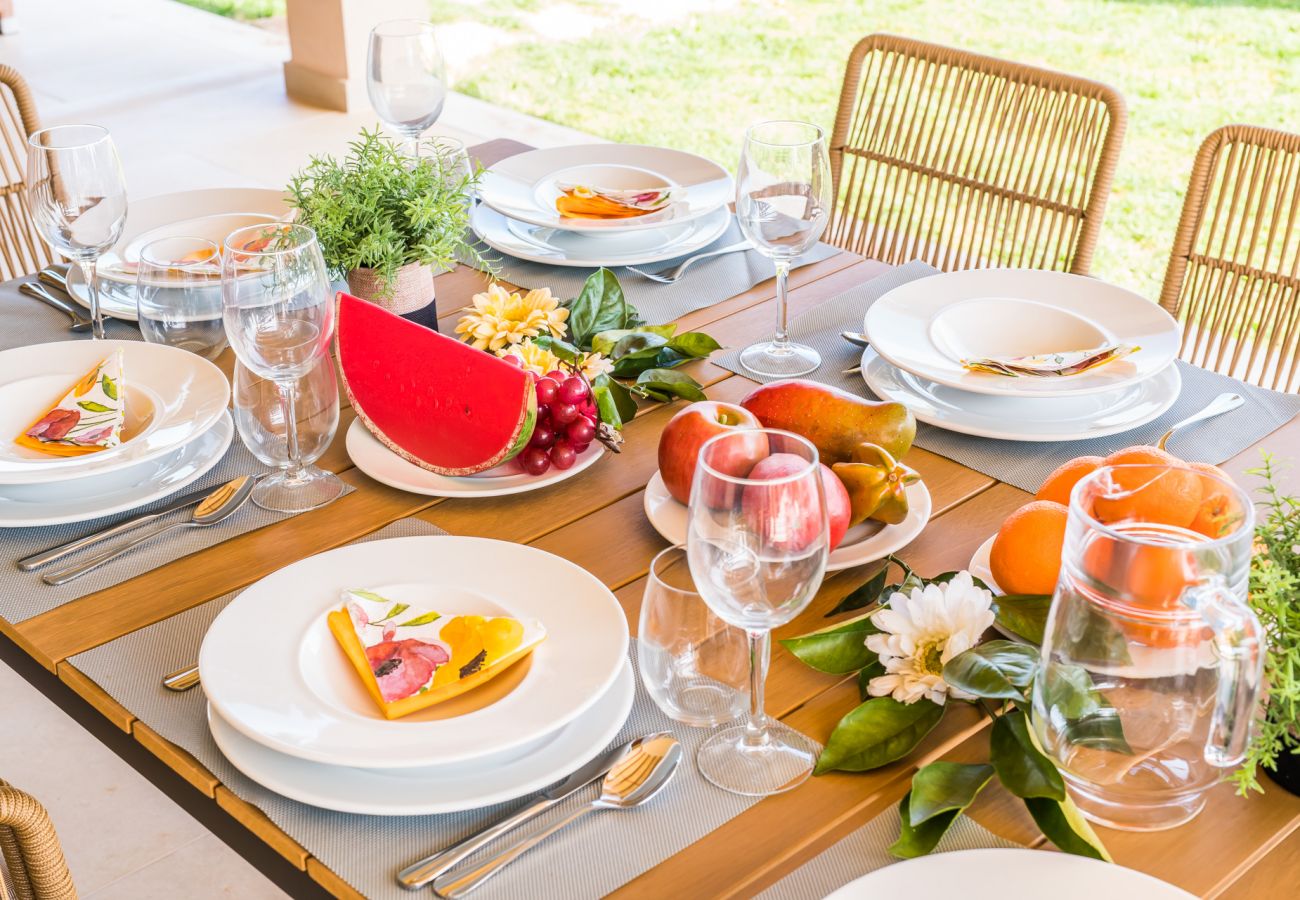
x=1023, y=614
x=868, y=672
x=421, y=620
x=864, y=595
x=600, y=307
x=997, y=670
x=918, y=840
x=633, y=364
x=944, y=786
x=877, y=732
x=1065, y=826
x=695, y=344
x=109, y=387
x=606, y=340
x=667, y=381
x=837, y=650
x=563, y=349
x=638, y=343
x=92, y=406
x=1088, y=718
x=1020, y=765
x=613, y=401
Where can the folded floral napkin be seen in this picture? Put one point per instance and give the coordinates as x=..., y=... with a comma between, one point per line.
x=1069, y=362
x=87, y=419
x=580, y=201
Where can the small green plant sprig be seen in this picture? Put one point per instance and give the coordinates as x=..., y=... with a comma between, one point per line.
x=378, y=209
x=1275, y=597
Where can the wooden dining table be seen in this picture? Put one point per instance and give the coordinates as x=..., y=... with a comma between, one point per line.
x=1237, y=848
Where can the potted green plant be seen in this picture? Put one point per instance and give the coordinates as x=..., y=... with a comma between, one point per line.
x=387, y=223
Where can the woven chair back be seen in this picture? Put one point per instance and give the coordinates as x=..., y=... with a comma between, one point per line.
x=30, y=851
x=22, y=251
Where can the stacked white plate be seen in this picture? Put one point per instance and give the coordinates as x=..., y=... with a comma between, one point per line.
x=518, y=216
x=177, y=428
x=920, y=332
x=288, y=710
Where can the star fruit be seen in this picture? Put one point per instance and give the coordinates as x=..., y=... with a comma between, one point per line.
x=877, y=484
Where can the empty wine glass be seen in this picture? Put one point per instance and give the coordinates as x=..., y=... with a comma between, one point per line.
x=178, y=295
x=757, y=544
x=259, y=414
x=279, y=314
x=457, y=169
x=406, y=78
x=77, y=195
x=783, y=205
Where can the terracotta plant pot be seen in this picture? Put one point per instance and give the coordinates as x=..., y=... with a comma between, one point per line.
x=412, y=290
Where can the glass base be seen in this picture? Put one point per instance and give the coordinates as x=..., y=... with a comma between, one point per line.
x=780, y=360
x=699, y=702
x=1125, y=812
x=782, y=760
x=309, y=489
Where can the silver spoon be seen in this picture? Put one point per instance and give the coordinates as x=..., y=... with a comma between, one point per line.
x=1219, y=405
x=672, y=276
x=856, y=338
x=218, y=506
x=633, y=780
x=182, y=679
x=80, y=322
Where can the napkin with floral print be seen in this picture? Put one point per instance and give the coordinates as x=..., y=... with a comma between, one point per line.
x=87, y=419
x=580, y=201
x=1070, y=362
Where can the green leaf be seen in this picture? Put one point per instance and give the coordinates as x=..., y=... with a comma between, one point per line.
x=92, y=406
x=944, y=786
x=877, y=732
x=694, y=343
x=1065, y=826
x=640, y=343
x=1023, y=614
x=606, y=340
x=868, y=672
x=1021, y=767
x=918, y=840
x=864, y=595
x=109, y=387
x=997, y=670
x=667, y=381
x=600, y=307
x=1085, y=716
x=369, y=595
x=837, y=650
x=421, y=620
x=563, y=349
x=613, y=401
x=397, y=610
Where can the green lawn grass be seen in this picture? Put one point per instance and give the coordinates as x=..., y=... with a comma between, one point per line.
x=240, y=9
x=1184, y=66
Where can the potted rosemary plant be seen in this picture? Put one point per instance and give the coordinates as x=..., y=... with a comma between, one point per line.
x=387, y=224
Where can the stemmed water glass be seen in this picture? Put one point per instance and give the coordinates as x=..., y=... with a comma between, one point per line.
x=406, y=77
x=77, y=196
x=783, y=205
x=279, y=314
x=178, y=295
x=757, y=546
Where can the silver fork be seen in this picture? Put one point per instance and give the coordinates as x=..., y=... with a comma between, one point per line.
x=674, y=275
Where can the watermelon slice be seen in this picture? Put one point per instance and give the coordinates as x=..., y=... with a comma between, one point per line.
x=430, y=399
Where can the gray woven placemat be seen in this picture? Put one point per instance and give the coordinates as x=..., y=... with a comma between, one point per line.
x=1026, y=464
x=588, y=859
x=866, y=850
x=707, y=282
x=26, y=320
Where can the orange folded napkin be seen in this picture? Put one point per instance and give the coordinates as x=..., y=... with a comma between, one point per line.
x=411, y=658
x=87, y=419
x=578, y=201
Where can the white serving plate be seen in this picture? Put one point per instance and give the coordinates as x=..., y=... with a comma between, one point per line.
x=1010, y=874
x=522, y=187
x=424, y=791
x=59, y=504
x=536, y=243
x=275, y=673
x=1072, y=418
x=928, y=326
x=172, y=398
x=862, y=543
x=386, y=467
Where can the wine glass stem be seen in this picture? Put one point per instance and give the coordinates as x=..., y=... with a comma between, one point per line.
x=288, y=404
x=782, y=332
x=90, y=275
x=756, y=725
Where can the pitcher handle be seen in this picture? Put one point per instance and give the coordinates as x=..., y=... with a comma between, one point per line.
x=1238, y=643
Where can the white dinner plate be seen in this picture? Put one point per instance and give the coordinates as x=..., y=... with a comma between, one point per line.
x=57, y=504
x=1074, y=418
x=1008, y=874
x=386, y=467
x=424, y=791
x=928, y=326
x=273, y=670
x=537, y=243
x=172, y=397
x=862, y=543
x=523, y=187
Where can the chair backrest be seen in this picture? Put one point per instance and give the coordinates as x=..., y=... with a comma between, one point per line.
x=21, y=249
x=1233, y=278
x=30, y=851
x=968, y=161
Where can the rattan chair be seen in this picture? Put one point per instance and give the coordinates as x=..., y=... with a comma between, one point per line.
x=1233, y=278
x=30, y=851
x=968, y=161
x=22, y=251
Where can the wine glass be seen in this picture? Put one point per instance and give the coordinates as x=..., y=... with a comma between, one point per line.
x=757, y=545
x=279, y=314
x=77, y=195
x=783, y=205
x=259, y=414
x=406, y=78
x=178, y=295
x=453, y=157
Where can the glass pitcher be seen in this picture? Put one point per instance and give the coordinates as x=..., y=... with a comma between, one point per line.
x=1152, y=660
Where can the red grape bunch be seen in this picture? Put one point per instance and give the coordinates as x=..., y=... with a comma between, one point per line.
x=566, y=421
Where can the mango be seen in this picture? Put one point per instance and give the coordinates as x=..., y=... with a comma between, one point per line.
x=835, y=421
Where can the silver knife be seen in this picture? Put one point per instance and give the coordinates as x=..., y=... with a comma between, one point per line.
x=418, y=874
x=44, y=558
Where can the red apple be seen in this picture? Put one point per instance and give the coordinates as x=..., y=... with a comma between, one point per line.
x=686, y=432
x=838, y=505
x=788, y=516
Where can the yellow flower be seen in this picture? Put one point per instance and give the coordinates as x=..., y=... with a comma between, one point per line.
x=500, y=318
x=535, y=359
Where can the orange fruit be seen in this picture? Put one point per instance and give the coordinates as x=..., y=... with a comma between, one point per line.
x=1220, y=512
x=1058, y=485
x=1026, y=556
x=1147, y=577
x=1161, y=489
